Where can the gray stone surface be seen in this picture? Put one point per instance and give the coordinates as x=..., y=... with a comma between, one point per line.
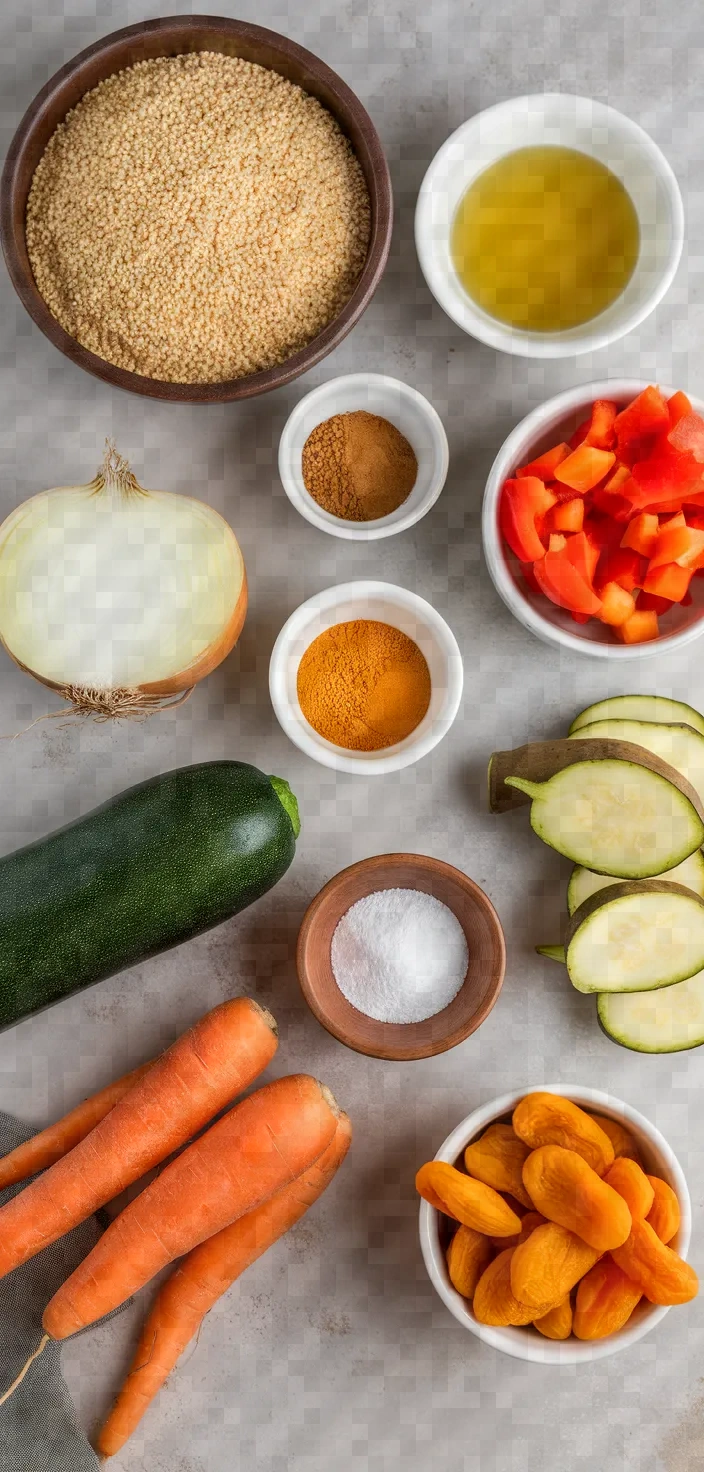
x=334, y=1350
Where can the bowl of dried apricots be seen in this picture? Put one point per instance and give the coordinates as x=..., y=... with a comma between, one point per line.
x=555, y=1225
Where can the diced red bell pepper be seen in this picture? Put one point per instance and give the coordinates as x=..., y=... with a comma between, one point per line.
x=567, y=516
x=651, y=603
x=620, y=478
x=672, y=540
x=616, y=605
x=694, y=517
x=687, y=436
x=584, y=555
x=545, y=465
x=639, y=628
x=678, y=406
x=617, y=507
x=668, y=581
x=581, y=618
x=584, y=468
x=645, y=417
x=601, y=431
x=664, y=481
x=641, y=534
x=529, y=575
x=522, y=503
x=602, y=531
x=580, y=433
x=623, y=566
x=563, y=584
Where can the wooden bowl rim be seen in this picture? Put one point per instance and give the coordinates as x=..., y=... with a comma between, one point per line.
x=403, y=1042
x=177, y=28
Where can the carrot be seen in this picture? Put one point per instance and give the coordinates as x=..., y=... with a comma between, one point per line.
x=264, y=1143
x=202, y=1072
x=200, y=1279
x=54, y=1142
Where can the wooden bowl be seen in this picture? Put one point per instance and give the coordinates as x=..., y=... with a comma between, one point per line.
x=396, y=1040
x=173, y=37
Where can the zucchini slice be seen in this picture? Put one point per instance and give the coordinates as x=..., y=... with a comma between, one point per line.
x=553, y=953
x=679, y=745
x=584, y=883
x=666, y=1021
x=639, y=708
x=636, y=938
x=617, y=817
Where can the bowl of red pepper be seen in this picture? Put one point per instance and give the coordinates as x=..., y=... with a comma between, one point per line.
x=593, y=520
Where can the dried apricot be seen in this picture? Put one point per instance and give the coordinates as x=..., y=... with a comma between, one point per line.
x=497, y=1160
x=664, y=1214
x=623, y=1143
x=626, y=1177
x=531, y=1220
x=547, y=1266
x=660, y=1273
x=557, y=1324
x=549, y=1119
x=566, y=1190
x=467, y=1256
x=606, y=1299
x=494, y=1299
x=470, y=1202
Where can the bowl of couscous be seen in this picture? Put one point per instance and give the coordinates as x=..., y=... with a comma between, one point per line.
x=196, y=209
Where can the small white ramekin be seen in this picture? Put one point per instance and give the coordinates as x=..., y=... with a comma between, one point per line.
x=528, y=1343
x=572, y=122
x=547, y=425
x=402, y=406
x=390, y=605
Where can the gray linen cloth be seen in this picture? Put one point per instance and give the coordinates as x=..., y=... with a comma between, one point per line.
x=38, y=1427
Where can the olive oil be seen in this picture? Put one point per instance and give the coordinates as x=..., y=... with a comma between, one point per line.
x=545, y=239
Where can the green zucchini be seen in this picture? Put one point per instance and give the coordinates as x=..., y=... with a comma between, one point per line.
x=668, y=1021
x=147, y=870
x=636, y=938
x=679, y=745
x=639, y=708
x=616, y=817
x=583, y=882
x=553, y=953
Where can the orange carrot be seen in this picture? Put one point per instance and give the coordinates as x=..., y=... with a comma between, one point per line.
x=54, y=1142
x=200, y=1279
x=263, y=1144
x=202, y=1072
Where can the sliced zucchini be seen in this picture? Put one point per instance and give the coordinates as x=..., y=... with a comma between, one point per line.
x=666, y=1021
x=553, y=953
x=679, y=745
x=616, y=817
x=639, y=708
x=584, y=883
x=636, y=938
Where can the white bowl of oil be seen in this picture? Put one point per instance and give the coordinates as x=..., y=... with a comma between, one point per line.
x=634, y=253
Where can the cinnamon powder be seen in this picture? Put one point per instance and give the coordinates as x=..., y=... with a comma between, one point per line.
x=358, y=466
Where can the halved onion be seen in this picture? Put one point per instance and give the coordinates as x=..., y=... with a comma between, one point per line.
x=117, y=597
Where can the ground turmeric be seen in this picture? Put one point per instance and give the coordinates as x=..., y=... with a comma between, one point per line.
x=363, y=685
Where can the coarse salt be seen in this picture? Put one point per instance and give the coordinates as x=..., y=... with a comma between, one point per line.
x=399, y=955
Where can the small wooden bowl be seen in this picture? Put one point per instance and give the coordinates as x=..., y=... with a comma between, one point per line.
x=395, y=1040
x=173, y=37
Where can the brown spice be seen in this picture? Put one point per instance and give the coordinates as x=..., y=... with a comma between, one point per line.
x=363, y=685
x=358, y=466
x=197, y=218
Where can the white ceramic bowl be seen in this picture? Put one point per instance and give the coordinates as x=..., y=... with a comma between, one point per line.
x=571, y=122
x=527, y=1343
x=554, y=421
x=391, y=605
x=402, y=406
